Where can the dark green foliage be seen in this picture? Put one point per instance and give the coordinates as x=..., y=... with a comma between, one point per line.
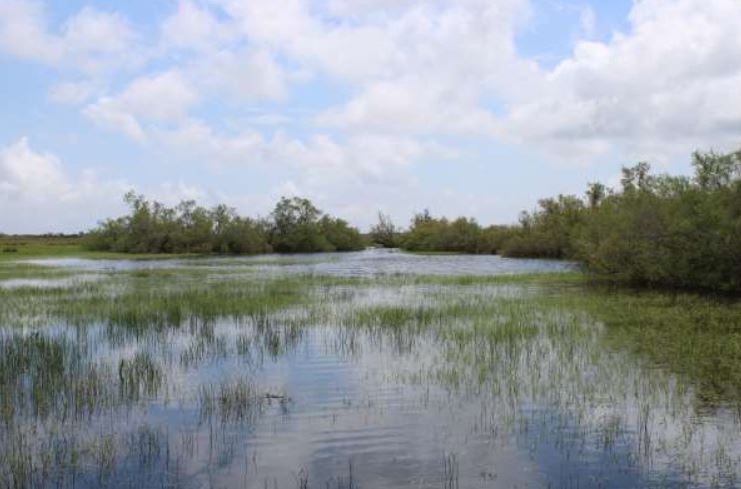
x=298, y=226
x=340, y=234
x=151, y=227
x=459, y=236
x=670, y=231
x=430, y=234
x=658, y=230
x=548, y=232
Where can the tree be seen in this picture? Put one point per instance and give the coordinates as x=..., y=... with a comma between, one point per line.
x=296, y=227
x=596, y=193
x=635, y=177
x=340, y=234
x=384, y=232
x=152, y=227
x=714, y=171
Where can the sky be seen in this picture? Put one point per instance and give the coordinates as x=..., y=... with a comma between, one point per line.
x=472, y=108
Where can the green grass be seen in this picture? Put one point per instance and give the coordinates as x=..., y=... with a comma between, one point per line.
x=14, y=248
x=692, y=335
x=24, y=247
x=698, y=337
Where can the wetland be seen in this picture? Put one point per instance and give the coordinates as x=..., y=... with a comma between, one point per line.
x=367, y=369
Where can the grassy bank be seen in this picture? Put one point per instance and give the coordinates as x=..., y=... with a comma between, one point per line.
x=14, y=248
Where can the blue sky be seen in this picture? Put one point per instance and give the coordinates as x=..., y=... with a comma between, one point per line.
x=465, y=107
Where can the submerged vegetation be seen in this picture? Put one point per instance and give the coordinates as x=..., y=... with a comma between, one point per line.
x=295, y=225
x=662, y=230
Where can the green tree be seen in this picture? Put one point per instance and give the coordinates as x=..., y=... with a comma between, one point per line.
x=296, y=227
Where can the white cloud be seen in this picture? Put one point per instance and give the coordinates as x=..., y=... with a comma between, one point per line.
x=413, y=105
x=365, y=156
x=242, y=75
x=422, y=67
x=405, y=81
x=191, y=26
x=164, y=97
x=349, y=177
x=38, y=195
x=90, y=40
x=195, y=141
x=172, y=193
x=73, y=93
x=91, y=32
x=22, y=31
x=161, y=97
x=28, y=175
x=106, y=112
x=668, y=86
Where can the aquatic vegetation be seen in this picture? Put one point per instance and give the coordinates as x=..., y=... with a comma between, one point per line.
x=139, y=377
x=197, y=376
x=238, y=401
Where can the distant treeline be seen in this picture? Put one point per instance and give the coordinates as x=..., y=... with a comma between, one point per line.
x=662, y=230
x=295, y=225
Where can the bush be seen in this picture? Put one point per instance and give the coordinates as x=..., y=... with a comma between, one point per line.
x=670, y=231
x=657, y=230
x=296, y=225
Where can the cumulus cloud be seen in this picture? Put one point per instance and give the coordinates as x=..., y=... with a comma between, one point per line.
x=164, y=97
x=413, y=105
x=28, y=175
x=246, y=75
x=38, y=194
x=387, y=85
x=365, y=156
x=191, y=26
x=90, y=40
x=667, y=86
x=418, y=66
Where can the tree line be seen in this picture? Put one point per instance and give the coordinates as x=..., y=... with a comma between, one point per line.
x=295, y=225
x=656, y=229
x=662, y=230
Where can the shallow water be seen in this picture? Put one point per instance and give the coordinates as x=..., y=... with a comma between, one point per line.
x=368, y=263
x=48, y=283
x=369, y=385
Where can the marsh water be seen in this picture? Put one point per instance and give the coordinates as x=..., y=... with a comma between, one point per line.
x=374, y=369
x=368, y=263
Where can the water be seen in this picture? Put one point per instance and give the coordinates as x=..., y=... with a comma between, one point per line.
x=49, y=283
x=368, y=263
x=388, y=384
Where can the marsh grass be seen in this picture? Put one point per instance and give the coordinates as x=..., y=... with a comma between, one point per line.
x=238, y=401
x=19, y=270
x=139, y=377
x=43, y=377
x=547, y=357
